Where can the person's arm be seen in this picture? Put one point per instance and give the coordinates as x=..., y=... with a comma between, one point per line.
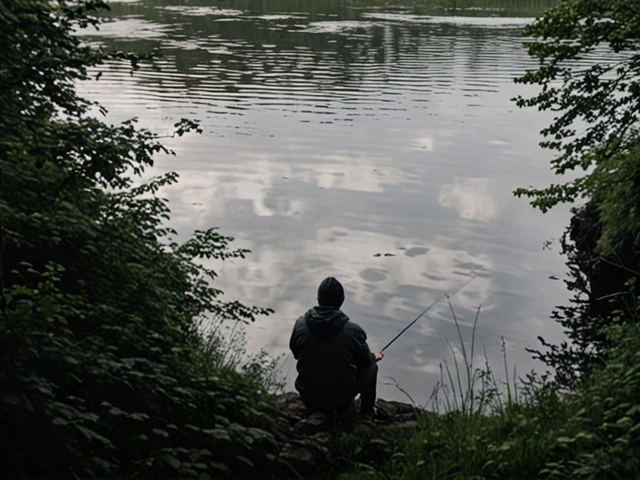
x=293, y=341
x=363, y=357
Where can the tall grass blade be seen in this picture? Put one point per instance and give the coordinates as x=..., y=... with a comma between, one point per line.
x=506, y=372
x=453, y=388
x=458, y=376
x=463, y=348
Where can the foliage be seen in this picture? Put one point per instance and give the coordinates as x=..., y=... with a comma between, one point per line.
x=617, y=198
x=603, y=256
x=477, y=427
x=602, y=439
x=529, y=430
x=592, y=433
x=597, y=103
x=103, y=366
x=581, y=320
x=513, y=438
x=224, y=344
x=589, y=71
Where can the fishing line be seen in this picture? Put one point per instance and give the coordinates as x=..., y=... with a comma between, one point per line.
x=448, y=293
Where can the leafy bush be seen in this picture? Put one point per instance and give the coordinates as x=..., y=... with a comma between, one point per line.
x=602, y=439
x=595, y=103
x=102, y=362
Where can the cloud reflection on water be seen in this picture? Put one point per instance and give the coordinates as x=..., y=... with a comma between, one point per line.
x=386, y=159
x=474, y=198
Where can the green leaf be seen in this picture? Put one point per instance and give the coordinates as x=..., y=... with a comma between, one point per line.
x=91, y=435
x=11, y=398
x=138, y=416
x=173, y=461
x=245, y=460
x=218, y=433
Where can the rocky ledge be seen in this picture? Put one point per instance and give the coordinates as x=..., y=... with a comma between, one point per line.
x=309, y=444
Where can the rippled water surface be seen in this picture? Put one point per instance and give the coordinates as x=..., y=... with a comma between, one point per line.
x=377, y=144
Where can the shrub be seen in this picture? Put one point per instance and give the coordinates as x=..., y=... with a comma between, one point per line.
x=102, y=363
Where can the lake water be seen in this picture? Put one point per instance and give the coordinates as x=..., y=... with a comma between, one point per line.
x=370, y=141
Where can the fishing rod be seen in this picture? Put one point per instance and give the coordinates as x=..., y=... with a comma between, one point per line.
x=448, y=293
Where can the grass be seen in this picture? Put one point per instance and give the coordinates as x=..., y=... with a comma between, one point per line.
x=477, y=427
x=225, y=345
x=521, y=428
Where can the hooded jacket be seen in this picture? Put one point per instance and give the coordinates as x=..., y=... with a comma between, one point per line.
x=329, y=349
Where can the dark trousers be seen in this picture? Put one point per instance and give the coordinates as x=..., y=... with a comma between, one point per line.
x=367, y=379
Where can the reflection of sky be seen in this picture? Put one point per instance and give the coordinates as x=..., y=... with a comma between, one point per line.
x=482, y=21
x=473, y=198
x=199, y=11
x=394, y=176
x=137, y=28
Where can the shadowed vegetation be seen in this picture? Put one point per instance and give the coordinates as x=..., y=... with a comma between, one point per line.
x=103, y=367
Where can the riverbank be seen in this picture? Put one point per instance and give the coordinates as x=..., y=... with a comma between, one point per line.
x=314, y=445
x=531, y=430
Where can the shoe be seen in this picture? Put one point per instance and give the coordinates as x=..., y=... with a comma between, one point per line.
x=377, y=415
x=370, y=415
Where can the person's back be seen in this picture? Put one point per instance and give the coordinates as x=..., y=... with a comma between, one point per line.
x=334, y=360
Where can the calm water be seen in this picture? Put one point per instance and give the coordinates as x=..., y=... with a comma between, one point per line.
x=374, y=143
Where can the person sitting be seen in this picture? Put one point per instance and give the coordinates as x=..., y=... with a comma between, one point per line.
x=334, y=362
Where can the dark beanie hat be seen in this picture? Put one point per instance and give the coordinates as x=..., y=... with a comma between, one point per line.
x=330, y=292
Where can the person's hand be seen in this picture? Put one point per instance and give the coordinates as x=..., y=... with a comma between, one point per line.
x=379, y=356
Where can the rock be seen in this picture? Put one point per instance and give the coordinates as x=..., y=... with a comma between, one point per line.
x=292, y=409
x=305, y=456
x=323, y=439
x=297, y=456
x=308, y=442
x=315, y=423
x=396, y=411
